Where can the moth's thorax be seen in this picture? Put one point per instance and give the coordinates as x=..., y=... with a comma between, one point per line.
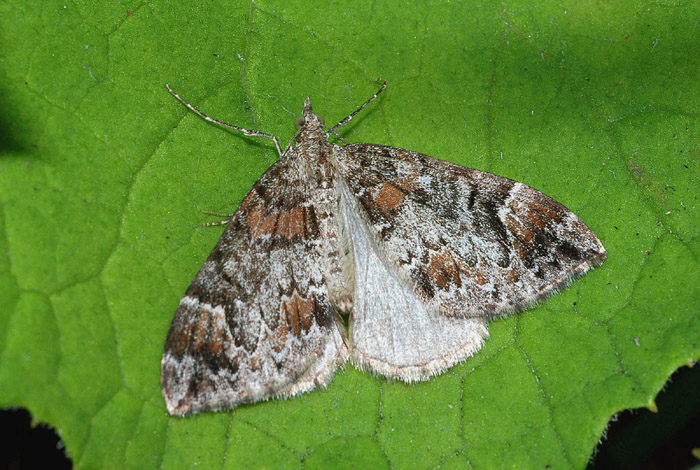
x=313, y=153
x=315, y=159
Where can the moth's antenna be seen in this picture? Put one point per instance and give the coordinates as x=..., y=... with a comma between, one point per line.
x=225, y=124
x=349, y=118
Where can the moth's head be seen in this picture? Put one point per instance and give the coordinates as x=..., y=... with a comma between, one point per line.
x=308, y=118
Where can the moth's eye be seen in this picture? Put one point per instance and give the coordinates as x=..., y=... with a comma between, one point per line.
x=298, y=122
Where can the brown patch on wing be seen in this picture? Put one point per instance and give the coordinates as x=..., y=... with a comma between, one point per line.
x=200, y=330
x=519, y=230
x=287, y=224
x=291, y=223
x=217, y=338
x=388, y=197
x=279, y=338
x=543, y=211
x=199, y=336
x=247, y=201
x=511, y=275
x=477, y=275
x=443, y=269
x=523, y=237
x=408, y=184
x=299, y=312
x=391, y=191
x=178, y=337
x=260, y=224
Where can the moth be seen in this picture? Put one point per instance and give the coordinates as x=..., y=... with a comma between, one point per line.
x=414, y=253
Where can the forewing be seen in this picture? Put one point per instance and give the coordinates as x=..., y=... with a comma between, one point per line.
x=256, y=322
x=470, y=243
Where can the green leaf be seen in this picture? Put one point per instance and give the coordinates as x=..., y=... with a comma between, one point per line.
x=103, y=175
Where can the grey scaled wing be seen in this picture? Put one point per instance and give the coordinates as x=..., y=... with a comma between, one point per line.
x=440, y=249
x=256, y=322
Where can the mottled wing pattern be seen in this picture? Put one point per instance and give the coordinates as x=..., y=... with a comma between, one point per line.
x=393, y=331
x=257, y=322
x=470, y=243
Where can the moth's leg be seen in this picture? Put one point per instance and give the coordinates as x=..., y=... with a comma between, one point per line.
x=225, y=124
x=217, y=214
